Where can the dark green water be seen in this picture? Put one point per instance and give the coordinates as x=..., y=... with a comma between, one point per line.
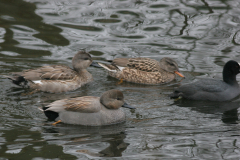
x=200, y=35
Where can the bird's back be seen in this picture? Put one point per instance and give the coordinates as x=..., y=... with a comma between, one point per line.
x=207, y=89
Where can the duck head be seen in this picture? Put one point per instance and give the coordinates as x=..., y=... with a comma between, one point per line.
x=113, y=99
x=81, y=60
x=168, y=64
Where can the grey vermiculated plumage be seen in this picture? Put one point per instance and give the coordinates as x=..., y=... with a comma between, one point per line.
x=89, y=110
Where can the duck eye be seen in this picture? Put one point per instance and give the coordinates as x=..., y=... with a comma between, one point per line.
x=85, y=58
x=118, y=98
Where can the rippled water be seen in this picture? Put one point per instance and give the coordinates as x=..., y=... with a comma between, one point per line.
x=200, y=35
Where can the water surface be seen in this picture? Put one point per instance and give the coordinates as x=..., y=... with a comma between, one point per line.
x=200, y=35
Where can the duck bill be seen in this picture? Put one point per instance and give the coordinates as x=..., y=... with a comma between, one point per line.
x=125, y=105
x=95, y=64
x=180, y=74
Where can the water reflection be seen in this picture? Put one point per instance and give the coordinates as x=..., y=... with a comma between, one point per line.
x=228, y=110
x=25, y=144
x=21, y=22
x=109, y=140
x=200, y=35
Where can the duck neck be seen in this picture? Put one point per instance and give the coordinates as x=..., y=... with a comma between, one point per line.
x=84, y=76
x=81, y=71
x=229, y=77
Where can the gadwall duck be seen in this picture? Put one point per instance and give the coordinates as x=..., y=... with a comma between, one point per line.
x=143, y=70
x=212, y=89
x=56, y=78
x=89, y=110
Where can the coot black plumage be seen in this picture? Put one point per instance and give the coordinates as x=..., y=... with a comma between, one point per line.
x=211, y=89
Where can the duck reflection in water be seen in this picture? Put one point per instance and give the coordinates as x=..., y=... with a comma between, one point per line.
x=80, y=136
x=115, y=148
x=228, y=110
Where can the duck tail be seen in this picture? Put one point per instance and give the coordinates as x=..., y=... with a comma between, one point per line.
x=109, y=67
x=175, y=94
x=51, y=115
x=18, y=80
x=41, y=109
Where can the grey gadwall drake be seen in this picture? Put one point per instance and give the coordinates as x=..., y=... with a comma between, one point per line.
x=56, y=78
x=89, y=110
x=143, y=70
x=212, y=89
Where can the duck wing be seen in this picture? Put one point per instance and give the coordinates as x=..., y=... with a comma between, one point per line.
x=204, y=86
x=87, y=104
x=209, y=85
x=55, y=72
x=143, y=64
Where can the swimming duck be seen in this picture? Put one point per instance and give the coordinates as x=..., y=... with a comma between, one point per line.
x=56, y=78
x=143, y=70
x=89, y=110
x=212, y=89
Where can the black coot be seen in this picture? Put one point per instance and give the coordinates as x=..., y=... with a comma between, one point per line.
x=211, y=89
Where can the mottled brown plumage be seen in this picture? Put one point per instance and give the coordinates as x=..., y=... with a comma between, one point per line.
x=88, y=110
x=143, y=70
x=56, y=78
x=54, y=72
